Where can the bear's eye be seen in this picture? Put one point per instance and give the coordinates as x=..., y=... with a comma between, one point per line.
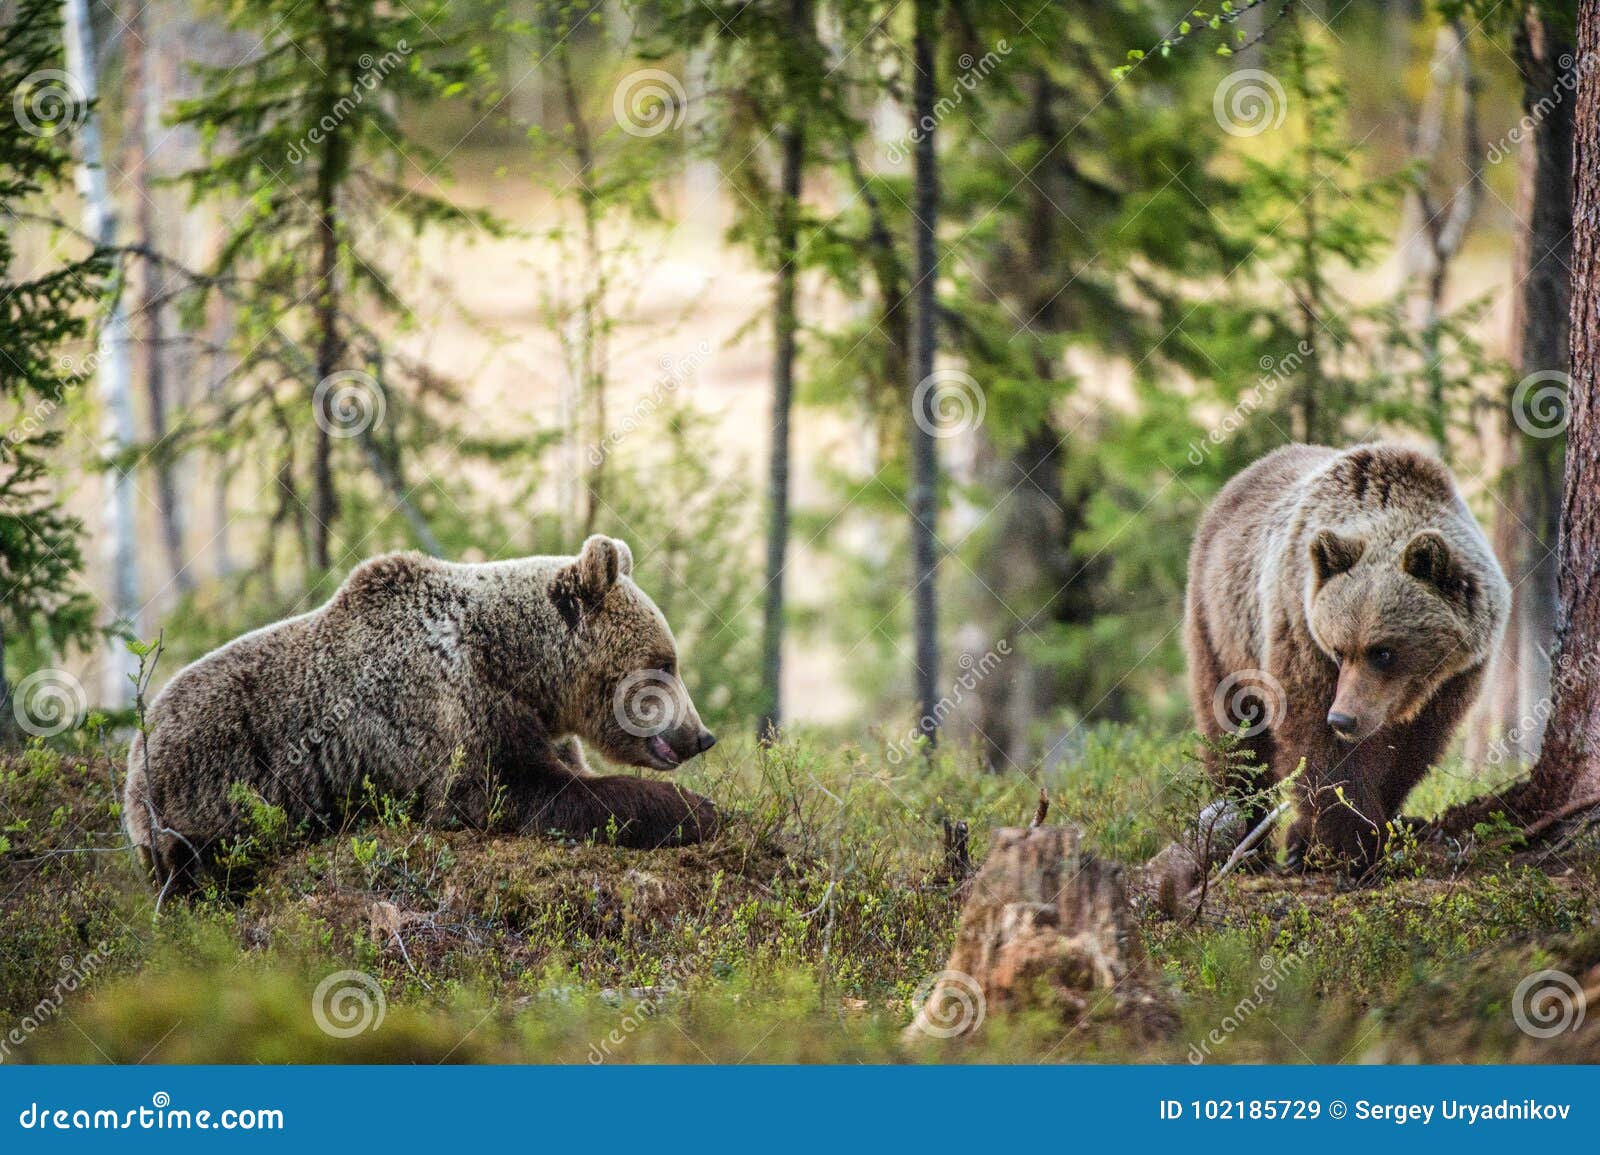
x=1381, y=657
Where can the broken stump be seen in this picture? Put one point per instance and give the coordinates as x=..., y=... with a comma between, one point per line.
x=1045, y=925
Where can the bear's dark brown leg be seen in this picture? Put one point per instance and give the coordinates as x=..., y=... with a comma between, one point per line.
x=635, y=812
x=1341, y=812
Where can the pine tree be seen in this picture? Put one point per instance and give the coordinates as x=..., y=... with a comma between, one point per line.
x=43, y=315
x=306, y=138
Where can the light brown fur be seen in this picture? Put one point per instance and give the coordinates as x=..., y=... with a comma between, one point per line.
x=416, y=666
x=1308, y=566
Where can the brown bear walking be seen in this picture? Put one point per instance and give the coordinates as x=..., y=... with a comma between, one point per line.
x=1341, y=608
x=464, y=687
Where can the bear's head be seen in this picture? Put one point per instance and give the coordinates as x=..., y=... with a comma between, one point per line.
x=1399, y=619
x=623, y=691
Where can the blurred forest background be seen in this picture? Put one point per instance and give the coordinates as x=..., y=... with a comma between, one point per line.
x=906, y=384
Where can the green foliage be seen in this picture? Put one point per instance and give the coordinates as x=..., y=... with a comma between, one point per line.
x=800, y=934
x=306, y=149
x=43, y=315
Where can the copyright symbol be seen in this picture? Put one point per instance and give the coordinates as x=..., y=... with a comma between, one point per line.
x=1337, y=1109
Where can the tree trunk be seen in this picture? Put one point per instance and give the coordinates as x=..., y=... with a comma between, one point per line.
x=141, y=118
x=112, y=369
x=1567, y=773
x=1528, y=523
x=8, y=721
x=785, y=326
x=324, y=501
x=590, y=356
x=924, y=453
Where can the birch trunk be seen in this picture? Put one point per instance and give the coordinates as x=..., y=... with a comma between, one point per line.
x=111, y=367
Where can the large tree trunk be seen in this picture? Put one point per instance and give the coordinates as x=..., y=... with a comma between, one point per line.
x=785, y=324
x=1567, y=774
x=1527, y=524
x=924, y=453
x=112, y=369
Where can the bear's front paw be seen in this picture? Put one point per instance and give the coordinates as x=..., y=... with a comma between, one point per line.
x=646, y=814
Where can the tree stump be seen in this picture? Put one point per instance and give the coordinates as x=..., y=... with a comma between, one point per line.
x=1045, y=924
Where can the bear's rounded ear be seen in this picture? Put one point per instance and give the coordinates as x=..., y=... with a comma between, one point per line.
x=1429, y=558
x=582, y=584
x=624, y=557
x=1332, y=555
x=599, y=565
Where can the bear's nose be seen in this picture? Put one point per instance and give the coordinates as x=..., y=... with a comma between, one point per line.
x=1343, y=724
x=706, y=740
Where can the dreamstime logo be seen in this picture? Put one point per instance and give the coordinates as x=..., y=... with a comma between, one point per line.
x=649, y=102
x=348, y=403
x=1253, y=699
x=1565, y=676
x=74, y=973
x=972, y=71
x=48, y=102
x=973, y=671
x=947, y=403
x=373, y=73
x=1548, y=1003
x=1274, y=970
x=1274, y=372
x=647, y=703
x=48, y=702
x=1249, y=102
x=347, y=1003
x=950, y=1003
x=674, y=373
x=1539, y=403
x=1565, y=83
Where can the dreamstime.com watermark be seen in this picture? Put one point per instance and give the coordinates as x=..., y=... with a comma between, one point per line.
x=74, y=973
x=1249, y=702
x=646, y=1006
x=1564, y=677
x=348, y=1003
x=348, y=403
x=1566, y=84
x=649, y=702
x=373, y=73
x=948, y=1004
x=975, y=671
x=32, y=421
x=160, y=1115
x=648, y=102
x=973, y=72
x=1539, y=403
x=1274, y=970
x=1274, y=372
x=948, y=403
x=1249, y=102
x=328, y=721
x=675, y=374
x=48, y=702
x=1548, y=1003
x=48, y=102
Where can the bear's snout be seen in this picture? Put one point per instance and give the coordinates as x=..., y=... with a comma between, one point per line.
x=1345, y=725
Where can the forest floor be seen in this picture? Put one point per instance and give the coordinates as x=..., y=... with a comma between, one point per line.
x=803, y=933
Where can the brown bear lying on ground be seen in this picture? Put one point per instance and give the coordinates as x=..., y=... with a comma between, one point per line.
x=464, y=687
x=1341, y=608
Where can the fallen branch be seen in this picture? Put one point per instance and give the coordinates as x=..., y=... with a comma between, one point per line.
x=1242, y=851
